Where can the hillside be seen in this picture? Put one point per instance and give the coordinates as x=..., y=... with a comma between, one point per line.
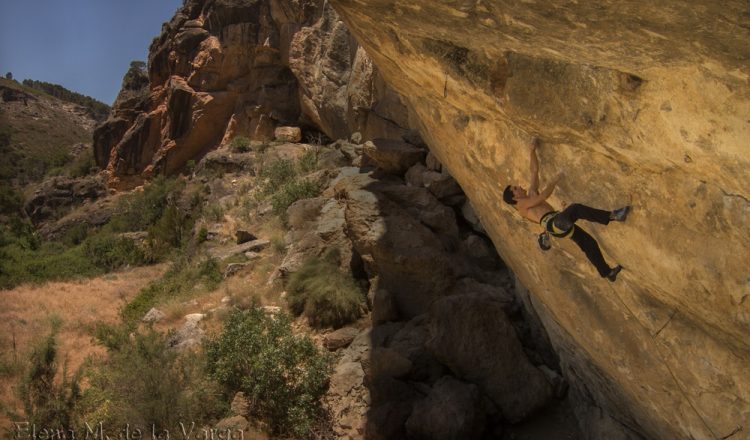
x=40, y=134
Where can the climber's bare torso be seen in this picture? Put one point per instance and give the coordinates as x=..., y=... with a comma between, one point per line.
x=533, y=204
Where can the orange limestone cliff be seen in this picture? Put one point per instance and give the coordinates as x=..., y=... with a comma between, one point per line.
x=639, y=102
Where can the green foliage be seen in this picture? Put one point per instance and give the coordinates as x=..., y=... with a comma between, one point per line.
x=181, y=280
x=49, y=403
x=240, y=144
x=308, y=162
x=98, y=110
x=11, y=200
x=145, y=384
x=283, y=374
x=82, y=164
x=21, y=263
x=77, y=234
x=139, y=210
x=202, y=234
x=325, y=295
x=285, y=188
x=277, y=173
x=292, y=191
x=109, y=252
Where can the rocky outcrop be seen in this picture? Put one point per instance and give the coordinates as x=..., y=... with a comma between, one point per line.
x=641, y=104
x=55, y=197
x=227, y=68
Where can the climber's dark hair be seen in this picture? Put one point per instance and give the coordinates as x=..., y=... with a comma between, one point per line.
x=508, y=196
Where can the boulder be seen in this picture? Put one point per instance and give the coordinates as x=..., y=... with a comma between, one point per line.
x=472, y=335
x=442, y=185
x=406, y=255
x=54, y=197
x=388, y=362
x=393, y=156
x=415, y=175
x=233, y=269
x=432, y=162
x=452, y=411
x=340, y=338
x=152, y=316
x=288, y=134
x=226, y=252
x=189, y=335
x=227, y=162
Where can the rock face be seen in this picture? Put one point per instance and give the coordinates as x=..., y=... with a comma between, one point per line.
x=227, y=68
x=644, y=103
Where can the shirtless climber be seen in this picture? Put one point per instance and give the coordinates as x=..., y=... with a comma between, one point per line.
x=533, y=206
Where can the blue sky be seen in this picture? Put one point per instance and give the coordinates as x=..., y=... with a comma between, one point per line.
x=83, y=45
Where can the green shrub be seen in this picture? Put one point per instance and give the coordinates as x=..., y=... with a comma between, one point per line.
x=109, y=252
x=283, y=374
x=292, y=191
x=50, y=261
x=181, y=280
x=11, y=200
x=308, y=162
x=48, y=402
x=82, y=164
x=202, y=234
x=277, y=173
x=147, y=385
x=76, y=234
x=325, y=295
x=240, y=144
x=139, y=210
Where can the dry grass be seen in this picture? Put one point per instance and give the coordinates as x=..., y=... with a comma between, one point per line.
x=26, y=313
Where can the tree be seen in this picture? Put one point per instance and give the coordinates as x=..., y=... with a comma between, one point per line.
x=9, y=75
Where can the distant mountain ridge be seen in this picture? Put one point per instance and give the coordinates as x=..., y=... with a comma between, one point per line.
x=41, y=134
x=97, y=109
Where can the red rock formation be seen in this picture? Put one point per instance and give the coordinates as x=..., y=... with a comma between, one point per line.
x=223, y=68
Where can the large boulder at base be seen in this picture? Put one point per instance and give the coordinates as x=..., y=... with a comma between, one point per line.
x=472, y=336
x=452, y=411
x=406, y=255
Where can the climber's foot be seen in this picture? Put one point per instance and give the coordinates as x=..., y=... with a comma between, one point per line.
x=619, y=215
x=612, y=276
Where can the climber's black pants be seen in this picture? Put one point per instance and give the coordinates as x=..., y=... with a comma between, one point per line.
x=567, y=218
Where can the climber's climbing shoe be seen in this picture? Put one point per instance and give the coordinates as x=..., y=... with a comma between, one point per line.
x=612, y=276
x=619, y=215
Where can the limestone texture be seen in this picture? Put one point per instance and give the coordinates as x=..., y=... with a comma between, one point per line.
x=641, y=103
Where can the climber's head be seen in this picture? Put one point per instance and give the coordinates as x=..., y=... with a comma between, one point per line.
x=512, y=193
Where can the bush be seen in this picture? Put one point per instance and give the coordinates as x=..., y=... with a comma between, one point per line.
x=240, y=144
x=139, y=210
x=49, y=403
x=277, y=174
x=109, y=252
x=50, y=261
x=146, y=385
x=181, y=280
x=283, y=374
x=82, y=164
x=308, y=162
x=325, y=295
x=291, y=192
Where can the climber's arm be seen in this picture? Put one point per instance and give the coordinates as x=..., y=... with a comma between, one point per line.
x=534, y=170
x=533, y=200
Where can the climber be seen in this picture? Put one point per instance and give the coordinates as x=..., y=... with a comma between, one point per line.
x=533, y=206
